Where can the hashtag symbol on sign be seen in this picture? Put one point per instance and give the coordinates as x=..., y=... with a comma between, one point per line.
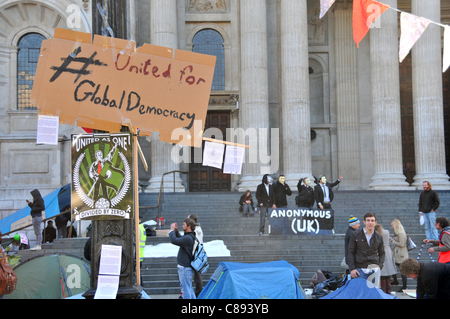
x=73, y=58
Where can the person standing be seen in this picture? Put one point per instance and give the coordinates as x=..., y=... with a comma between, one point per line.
x=443, y=244
x=198, y=278
x=366, y=253
x=305, y=196
x=433, y=279
x=265, y=196
x=323, y=192
x=389, y=268
x=37, y=207
x=281, y=190
x=400, y=250
x=353, y=224
x=428, y=204
x=184, y=257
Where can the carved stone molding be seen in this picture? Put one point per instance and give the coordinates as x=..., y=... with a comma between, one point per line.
x=206, y=6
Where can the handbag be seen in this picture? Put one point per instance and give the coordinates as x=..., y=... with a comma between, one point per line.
x=8, y=279
x=410, y=245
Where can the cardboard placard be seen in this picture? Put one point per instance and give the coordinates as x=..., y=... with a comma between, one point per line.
x=101, y=84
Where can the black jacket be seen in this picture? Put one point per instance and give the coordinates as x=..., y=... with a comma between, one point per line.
x=428, y=201
x=433, y=281
x=318, y=192
x=37, y=206
x=261, y=194
x=186, y=244
x=305, y=196
x=280, y=193
x=362, y=255
x=242, y=202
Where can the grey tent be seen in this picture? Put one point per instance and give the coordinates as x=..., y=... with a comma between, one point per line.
x=51, y=277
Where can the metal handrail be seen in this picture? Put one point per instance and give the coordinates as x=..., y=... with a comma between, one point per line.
x=161, y=191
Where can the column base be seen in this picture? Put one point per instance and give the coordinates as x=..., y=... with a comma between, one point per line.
x=155, y=185
x=249, y=183
x=390, y=181
x=439, y=181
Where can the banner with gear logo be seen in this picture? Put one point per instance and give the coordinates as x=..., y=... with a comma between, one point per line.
x=102, y=175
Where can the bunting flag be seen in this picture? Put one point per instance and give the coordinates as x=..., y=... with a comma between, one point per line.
x=446, y=48
x=412, y=28
x=365, y=12
x=325, y=5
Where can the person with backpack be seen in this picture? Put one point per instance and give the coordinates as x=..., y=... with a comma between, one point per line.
x=198, y=278
x=184, y=257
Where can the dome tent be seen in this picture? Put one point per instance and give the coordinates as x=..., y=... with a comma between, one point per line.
x=51, y=277
x=271, y=280
x=358, y=288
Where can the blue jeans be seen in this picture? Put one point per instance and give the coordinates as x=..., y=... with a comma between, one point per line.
x=185, y=275
x=430, y=226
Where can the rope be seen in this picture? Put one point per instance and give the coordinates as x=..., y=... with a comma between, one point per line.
x=420, y=253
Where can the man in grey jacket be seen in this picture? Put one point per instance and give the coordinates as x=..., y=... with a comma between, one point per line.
x=184, y=257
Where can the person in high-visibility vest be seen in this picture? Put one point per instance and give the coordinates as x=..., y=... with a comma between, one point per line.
x=443, y=244
x=142, y=240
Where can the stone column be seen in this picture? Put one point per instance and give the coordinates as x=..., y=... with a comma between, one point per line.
x=386, y=114
x=429, y=139
x=296, y=121
x=254, y=102
x=348, y=133
x=163, y=32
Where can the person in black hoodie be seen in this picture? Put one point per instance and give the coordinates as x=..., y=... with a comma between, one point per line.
x=37, y=206
x=305, y=196
x=281, y=189
x=266, y=199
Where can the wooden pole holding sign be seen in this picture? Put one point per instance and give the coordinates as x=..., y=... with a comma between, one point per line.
x=136, y=201
x=224, y=142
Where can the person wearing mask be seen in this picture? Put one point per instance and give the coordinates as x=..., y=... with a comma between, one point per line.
x=443, y=244
x=265, y=196
x=323, y=192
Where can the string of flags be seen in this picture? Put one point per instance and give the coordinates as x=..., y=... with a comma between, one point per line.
x=365, y=12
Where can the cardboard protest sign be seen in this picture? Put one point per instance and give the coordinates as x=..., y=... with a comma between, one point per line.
x=301, y=221
x=102, y=176
x=99, y=85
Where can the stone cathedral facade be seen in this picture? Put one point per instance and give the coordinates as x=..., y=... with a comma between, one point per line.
x=327, y=106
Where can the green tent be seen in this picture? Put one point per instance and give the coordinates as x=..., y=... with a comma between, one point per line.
x=51, y=277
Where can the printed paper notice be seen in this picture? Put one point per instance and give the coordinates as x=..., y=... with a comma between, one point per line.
x=213, y=154
x=47, y=130
x=110, y=260
x=234, y=157
x=107, y=287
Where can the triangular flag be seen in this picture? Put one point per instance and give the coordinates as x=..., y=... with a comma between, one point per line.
x=412, y=28
x=446, y=48
x=325, y=5
x=365, y=12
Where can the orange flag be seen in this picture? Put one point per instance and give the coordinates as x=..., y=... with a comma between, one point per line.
x=365, y=12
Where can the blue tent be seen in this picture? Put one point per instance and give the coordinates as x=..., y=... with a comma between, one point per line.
x=358, y=288
x=54, y=202
x=271, y=280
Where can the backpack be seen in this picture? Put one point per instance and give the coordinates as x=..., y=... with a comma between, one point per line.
x=8, y=279
x=199, y=257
